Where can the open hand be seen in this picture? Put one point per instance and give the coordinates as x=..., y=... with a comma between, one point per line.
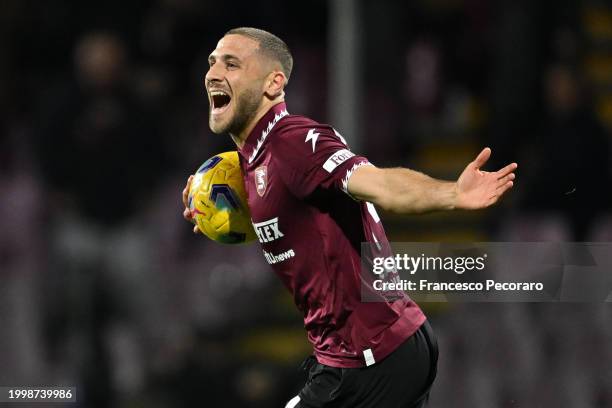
x=479, y=189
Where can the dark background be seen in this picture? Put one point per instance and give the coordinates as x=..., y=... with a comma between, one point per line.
x=103, y=116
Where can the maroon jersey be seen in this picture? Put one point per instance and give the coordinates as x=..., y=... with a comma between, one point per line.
x=296, y=173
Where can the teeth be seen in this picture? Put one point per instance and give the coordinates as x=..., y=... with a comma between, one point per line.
x=217, y=93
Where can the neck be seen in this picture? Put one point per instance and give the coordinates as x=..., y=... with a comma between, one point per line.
x=241, y=137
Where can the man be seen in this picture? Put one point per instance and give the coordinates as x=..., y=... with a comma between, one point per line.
x=312, y=202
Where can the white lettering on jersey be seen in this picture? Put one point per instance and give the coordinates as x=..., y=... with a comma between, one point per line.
x=283, y=256
x=337, y=159
x=268, y=231
x=312, y=136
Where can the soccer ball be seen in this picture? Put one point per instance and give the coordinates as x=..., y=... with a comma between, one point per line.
x=218, y=202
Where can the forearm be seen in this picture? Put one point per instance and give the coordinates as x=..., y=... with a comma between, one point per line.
x=403, y=190
x=409, y=191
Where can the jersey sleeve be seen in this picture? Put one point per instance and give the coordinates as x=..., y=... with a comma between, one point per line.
x=315, y=157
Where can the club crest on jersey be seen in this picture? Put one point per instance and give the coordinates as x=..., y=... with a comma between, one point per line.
x=261, y=180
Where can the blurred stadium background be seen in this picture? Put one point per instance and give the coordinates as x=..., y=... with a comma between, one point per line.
x=103, y=116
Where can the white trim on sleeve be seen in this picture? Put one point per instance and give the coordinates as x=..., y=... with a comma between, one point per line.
x=349, y=173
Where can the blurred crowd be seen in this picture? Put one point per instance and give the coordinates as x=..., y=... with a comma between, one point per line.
x=103, y=116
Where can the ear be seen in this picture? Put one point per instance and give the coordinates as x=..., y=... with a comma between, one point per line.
x=275, y=84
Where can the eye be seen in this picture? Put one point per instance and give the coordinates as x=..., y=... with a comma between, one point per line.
x=231, y=65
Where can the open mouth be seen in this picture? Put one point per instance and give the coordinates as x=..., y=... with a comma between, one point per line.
x=219, y=101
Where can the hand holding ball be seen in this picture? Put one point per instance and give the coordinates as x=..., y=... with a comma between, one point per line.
x=217, y=200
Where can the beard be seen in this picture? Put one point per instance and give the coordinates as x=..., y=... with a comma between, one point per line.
x=246, y=106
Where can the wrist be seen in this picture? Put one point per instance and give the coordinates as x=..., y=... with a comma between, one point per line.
x=447, y=196
x=454, y=194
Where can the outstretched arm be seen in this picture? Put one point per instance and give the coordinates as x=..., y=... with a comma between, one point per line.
x=407, y=191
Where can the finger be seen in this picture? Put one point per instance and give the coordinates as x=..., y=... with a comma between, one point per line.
x=482, y=158
x=504, y=187
x=187, y=214
x=509, y=168
x=186, y=191
x=505, y=179
x=196, y=230
x=498, y=193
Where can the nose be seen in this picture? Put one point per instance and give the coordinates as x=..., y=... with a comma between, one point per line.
x=213, y=74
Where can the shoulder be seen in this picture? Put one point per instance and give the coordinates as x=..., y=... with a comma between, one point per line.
x=294, y=130
x=292, y=125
